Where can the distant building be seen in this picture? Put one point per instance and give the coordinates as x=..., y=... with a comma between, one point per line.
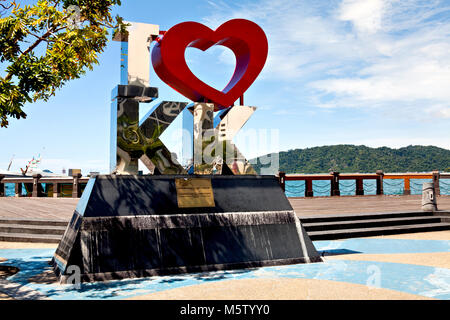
x=73, y=172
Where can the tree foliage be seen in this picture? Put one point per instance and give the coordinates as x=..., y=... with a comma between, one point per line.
x=353, y=159
x=45, y=45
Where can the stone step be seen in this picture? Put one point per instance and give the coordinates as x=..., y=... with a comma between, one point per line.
x=25, y=237
x=31, y=229
x=363, y=216
x=370, y=223
x=37, y=222
x=367, y=232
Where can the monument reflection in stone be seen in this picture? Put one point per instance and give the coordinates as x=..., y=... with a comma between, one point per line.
x=222, y=215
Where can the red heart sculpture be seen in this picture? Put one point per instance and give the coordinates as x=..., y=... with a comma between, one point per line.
x=245, y=38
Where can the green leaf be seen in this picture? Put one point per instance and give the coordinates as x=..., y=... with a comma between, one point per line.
x=69, y=52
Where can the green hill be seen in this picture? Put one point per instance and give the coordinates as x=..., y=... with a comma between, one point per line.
x=352, y=159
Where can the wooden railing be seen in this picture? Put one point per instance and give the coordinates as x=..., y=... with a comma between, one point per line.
x=56, y=186
x=74, y=186
x=379, y=176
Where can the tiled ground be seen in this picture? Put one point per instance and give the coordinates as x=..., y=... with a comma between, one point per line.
x=415, y=266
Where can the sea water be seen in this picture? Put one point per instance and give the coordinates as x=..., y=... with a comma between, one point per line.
x=10, y=190
x=348, y=187
x=322, y=187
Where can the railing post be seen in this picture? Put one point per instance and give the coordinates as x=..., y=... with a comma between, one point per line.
x=359, y=187
x=18, y=189
x=282, y=180
x=380, y=174
x=309, y=188
x=56, y=189
x=2, y=187
x=335, y=184
x=407, y=186
x=36, y=186
x=436, y=177
x=76, y=190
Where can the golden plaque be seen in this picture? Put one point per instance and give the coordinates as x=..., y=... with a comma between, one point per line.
x=194, y=192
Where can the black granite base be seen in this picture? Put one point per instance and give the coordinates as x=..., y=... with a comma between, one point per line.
x=128, y=226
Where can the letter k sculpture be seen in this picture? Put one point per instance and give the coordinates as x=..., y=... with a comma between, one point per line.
x=133, y=140
x=214, y=151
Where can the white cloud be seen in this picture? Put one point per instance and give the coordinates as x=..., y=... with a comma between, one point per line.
x=415, y=74
x=366, y=15
x=439, y=112
x=366, y=54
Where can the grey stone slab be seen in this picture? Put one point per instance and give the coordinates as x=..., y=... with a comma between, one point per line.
x=181, y=247
x=149, y=195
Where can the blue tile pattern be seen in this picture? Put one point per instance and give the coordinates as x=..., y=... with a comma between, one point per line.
x=413, y=279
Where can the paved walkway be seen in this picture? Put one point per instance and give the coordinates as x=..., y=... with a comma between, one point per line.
x=409, y=266
x=366, y=268
x=62, y=208
x=362, y=204
x=37, y=208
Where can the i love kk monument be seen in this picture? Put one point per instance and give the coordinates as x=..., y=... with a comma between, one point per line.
x=216, y=215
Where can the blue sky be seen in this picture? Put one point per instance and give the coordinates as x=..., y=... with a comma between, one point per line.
x=372, y=72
